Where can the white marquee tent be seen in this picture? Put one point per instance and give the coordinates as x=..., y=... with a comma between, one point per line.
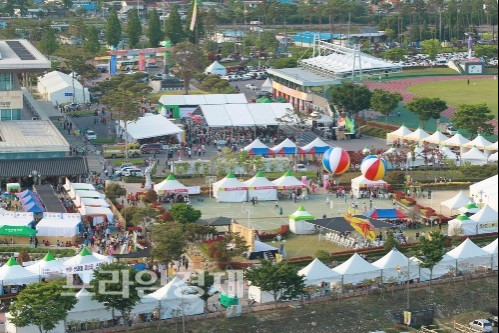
x=11, y=273
x=47, y=266
x=149, y=126
x=493, y=147
x=415, y=159
x=448, y=154
x=486, y=191
x=298, y=222
x=362, y=182
x=261, y=188
x=316, y=146
x=316, y=272
x=468, y=255
x=267, y=85
x=418, y=135
x=86, y=194
x=288, y=182
x=86, y=309
x=170, y=185
x=463, y=225
x=60, y=88
x=479, y=142
x=103, y=213
x=16, y=219
x=68, y=186
x=215, y=68
x=492, y=249
x=62, y=225
x=230, y=189
x=396, y=266
x=494, y=157
x=399, y=134
x=436, y=138
x=442, y=268
x=456, y=202
x=85, y=261
x=356, y=269
x=474, y=156
x=457, y=140
x=90, y=202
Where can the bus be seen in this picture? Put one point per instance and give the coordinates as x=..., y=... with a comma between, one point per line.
x=127, y=65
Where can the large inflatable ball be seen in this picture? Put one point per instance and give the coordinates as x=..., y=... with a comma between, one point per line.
x=336, y=161
x=373, y=167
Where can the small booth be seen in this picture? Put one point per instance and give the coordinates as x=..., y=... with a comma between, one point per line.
x=288, y=182
x=474, y=157
x=492, y=248
x=48, y=267
x=418, y=135
x=262, y=250
x=298, y=222
x=13, y=187
x=62, y=227
x=257, y=147
x=396, y=267
x=317, y=273
x=356, y=270
x=396, y=136
x=18, y=234
x=261, y=188
x=97, y=215
x=230, y=189
x=362, y=183
x=13, y=274
x=171, y=190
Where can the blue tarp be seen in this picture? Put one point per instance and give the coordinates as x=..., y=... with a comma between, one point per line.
x=33, y=208
x=390, y=213
x=25, y=193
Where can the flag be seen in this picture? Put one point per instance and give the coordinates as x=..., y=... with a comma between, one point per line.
x=194, y=16
x=364, y=227
x=407, y=317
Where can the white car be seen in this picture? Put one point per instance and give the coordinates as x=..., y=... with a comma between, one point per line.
x=121, y=171
x=133, y=172
x=301, y=168
x=90, y=135
x=482, y=325
x=251, y=86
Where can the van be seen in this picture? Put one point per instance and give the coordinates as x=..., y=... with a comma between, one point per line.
x=150, y=148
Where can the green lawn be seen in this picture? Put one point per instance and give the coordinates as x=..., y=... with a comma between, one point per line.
x=458, y=92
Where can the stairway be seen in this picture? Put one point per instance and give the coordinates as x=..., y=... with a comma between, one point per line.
x=269, y=256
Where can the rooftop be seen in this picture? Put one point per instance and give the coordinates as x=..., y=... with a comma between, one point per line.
x=303, y=77
x=19, y=56
x=25, y=136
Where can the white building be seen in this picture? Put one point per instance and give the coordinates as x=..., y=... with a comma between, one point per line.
x=61, y=88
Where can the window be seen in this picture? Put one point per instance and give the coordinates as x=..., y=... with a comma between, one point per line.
x=6, y=82
x=10, y=114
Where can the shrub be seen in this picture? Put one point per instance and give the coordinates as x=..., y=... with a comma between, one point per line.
x=150, y=196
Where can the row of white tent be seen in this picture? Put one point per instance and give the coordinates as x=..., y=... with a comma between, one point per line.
x=230, y=189
x=473, y=156
x=288, y=147
x=396, y=267
x=175, y=299
x=438, y=138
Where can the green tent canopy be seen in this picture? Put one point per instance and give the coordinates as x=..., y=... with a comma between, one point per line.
x=280, y=100
x=301, y=215
x=12, y=262
x=17, y=231
x=264, y=100
x=48, y=257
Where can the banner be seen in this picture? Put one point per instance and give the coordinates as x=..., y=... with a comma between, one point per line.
x=194, y=16
x=407, y=318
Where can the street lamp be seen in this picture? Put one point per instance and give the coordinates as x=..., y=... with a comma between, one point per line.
x=36, y=176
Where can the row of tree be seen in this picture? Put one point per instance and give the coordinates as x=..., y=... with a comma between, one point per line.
x=352, y=98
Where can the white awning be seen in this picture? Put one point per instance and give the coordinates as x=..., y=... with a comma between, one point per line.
x=151, y=126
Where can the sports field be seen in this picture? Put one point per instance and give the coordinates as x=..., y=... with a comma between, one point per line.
x=456, y=92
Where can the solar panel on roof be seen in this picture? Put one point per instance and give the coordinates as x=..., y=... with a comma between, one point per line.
x=20, y=50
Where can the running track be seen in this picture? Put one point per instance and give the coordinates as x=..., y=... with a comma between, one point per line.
x=401, y=86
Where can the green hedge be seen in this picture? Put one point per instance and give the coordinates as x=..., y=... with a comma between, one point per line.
x=39, y=250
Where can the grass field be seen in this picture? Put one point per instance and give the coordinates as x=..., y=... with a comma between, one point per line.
x=458, y=92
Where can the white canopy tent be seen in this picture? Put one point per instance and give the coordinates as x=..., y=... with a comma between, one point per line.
x=494, y=158
x=60, y=88
x=457, y=140
x=355, y=270
x=448, y=154
x=469, y=256
x=479, y=142
x=456, y=202
x=399, y=134
x=16, y=219
x=149, y=126
x=215, y=68
x=86, y=194
x=286, y=147
x=267, y=85
x=469, y=208
x=397, y=267
x=85, y=261
x=261, y=188
x=86, y=309
x=493, y=147
x=486, y=220
x=316, y=146
x=415, y=159
x=170, y=185
x=11, y=273
x=48, y=266
x=78, y=186
x=486, y=192
x=288, y=182
x=67, y=225
x=102, y=212
x=316, y=272
x=173, y=300
x=418, y=135
x=298, y=222
x=361, y=182
x=436, y=138
x=230, y=189
x=492, y=249
x=463, y=225
x=90, y=202
x=442, y=268
x=474, y=156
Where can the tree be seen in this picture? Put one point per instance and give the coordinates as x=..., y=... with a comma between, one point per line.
x=391, y=242
x=42, y=305
x=395, y=54
x=91, y=43
x=113, y=285
x=183, y=213
x=281, y=280
x=426, y=108
x=154, y=32
x=430, y=250
x=474, y=119
x=233, y=245
x=205, y=285
x=188, y=59
x=114, y=191
x=350, y=97
x=485, y=51
x=432, y=47
x=134, y=28
x=385, y=102
x=173, y=28
x=113, y=29
x=67, y=3
x=125, y=107
x=49, y=43
x=169, y=242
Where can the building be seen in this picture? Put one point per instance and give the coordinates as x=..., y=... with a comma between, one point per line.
x=60, y=88
x=18, y=58
x=306, y=85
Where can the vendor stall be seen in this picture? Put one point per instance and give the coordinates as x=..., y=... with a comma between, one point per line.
x=261, y=188
x=298, y=222
x=230, y=189
x=59, y=227
x=362, y=183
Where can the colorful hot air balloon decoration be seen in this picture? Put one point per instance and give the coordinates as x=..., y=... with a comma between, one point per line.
x=373, y=167
x=336, y=161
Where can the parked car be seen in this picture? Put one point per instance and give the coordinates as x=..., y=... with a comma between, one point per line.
x=150, y=148
x=301, y=168
x=152, y=65
x=494, y=321
x=251, y=86
x=482, y=325
x=133, y=172
x=90, y=135
x=122, y=171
